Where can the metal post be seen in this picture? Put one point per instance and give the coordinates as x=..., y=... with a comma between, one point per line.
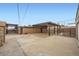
x=57, y=29
x=41, y=30
x=54, y=29
x=49, y=30
x=70, y=32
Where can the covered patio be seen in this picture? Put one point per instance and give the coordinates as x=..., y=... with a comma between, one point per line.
x=47, y=27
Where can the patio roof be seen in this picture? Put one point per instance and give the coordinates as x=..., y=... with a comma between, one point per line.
x=45, y=24
x=8, y=24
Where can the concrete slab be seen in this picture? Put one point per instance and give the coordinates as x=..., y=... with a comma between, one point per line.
x=11, y=48
x=39, y=45
x=49, y=46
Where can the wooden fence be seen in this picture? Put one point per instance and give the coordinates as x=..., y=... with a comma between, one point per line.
x=2, y=34
x=71, y=32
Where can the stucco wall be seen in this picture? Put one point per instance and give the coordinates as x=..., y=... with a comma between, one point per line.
x=78, y=31
x=77, y=24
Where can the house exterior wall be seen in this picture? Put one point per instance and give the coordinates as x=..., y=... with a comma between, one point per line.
x=77, y=24
x=44, y=30
x=54, y=29
x=51, y=30
x=78, y=31
x=40, y=29
x=2, y=33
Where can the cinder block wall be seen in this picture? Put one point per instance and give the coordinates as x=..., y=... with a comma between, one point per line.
x=2, y=33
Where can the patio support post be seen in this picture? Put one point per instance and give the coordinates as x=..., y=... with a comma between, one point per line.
x=54, y=29
x=70, y=32
x=57, y=29
x=49, y=30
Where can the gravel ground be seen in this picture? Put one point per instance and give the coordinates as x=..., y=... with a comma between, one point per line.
x=39, y=45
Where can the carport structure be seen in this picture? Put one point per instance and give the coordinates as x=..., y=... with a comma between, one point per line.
x=11, y=28
x=47, y=27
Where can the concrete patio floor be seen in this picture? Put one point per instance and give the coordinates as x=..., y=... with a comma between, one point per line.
x=39, y=45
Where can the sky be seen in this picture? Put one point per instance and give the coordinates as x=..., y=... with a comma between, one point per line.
x=33, y=13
